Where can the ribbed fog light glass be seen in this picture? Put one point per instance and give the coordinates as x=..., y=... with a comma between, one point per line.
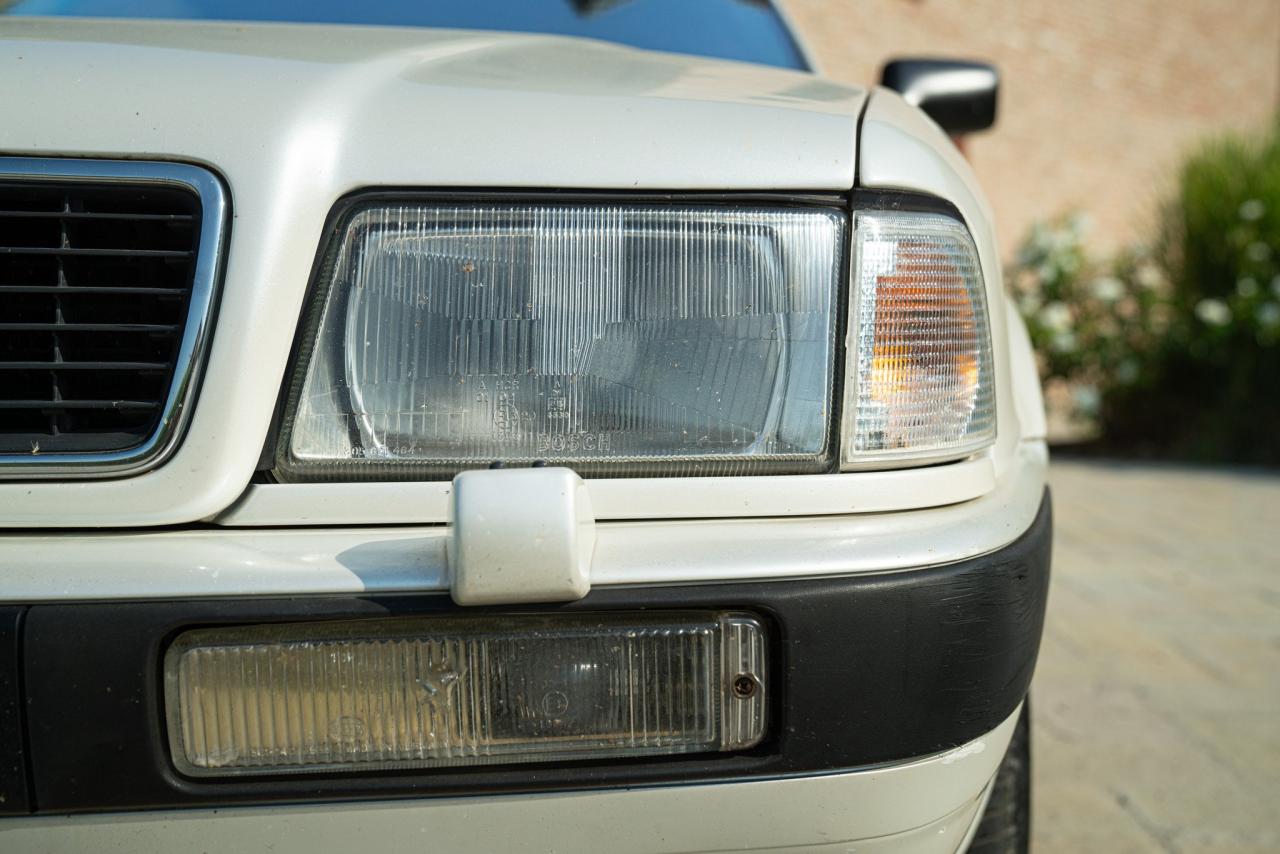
x=615, y=338
x=429, y=692
x=920, y=365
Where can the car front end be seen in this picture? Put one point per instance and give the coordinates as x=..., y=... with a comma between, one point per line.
x=495, y=442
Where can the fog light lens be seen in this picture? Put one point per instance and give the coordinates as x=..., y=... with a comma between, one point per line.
x=438, y=692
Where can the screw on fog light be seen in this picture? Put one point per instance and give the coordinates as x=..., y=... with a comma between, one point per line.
x=425, y=692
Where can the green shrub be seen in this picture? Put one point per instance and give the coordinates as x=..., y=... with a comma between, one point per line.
x=1175, y=350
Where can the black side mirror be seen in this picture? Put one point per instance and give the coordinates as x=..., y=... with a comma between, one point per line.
x=959, y=96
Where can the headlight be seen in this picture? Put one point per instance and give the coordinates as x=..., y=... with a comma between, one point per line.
x=920, y=383
x=634, y=339
x=613, y=338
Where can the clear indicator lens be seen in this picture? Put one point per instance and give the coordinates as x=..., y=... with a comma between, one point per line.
x=427, y=692
x=920, y=344
x=663, y=338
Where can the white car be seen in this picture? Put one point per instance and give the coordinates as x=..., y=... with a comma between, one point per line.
x=601, y=435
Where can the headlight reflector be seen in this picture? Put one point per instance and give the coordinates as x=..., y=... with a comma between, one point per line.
x=611, y=337
x=921, y=384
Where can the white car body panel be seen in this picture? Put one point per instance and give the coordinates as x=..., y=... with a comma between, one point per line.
x=630, y=498
x=335, y=560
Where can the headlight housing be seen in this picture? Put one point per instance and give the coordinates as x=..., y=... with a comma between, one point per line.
x=614, y=338
x=638, y=339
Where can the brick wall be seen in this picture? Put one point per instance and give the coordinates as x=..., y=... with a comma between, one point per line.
x=1098, y=98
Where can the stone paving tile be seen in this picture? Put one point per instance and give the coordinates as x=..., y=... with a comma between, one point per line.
x=1157, y=697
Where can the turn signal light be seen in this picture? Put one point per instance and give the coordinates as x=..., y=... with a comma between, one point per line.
x=921, y=384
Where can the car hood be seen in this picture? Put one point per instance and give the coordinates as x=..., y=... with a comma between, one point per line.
x=362, y=106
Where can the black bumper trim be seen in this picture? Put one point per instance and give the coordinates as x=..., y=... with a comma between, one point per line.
x=14, y=799
x=869, y=669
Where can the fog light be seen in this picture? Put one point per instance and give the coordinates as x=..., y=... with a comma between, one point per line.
x=428, y=692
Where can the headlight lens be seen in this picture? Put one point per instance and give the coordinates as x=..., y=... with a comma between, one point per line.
x=611, y=337
x=921, y=384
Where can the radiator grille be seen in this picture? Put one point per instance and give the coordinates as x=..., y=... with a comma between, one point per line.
x=95, y=285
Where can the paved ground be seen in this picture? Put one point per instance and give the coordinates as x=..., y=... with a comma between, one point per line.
x=1157, y=698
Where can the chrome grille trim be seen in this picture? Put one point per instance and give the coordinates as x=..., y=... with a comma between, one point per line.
x=189, y=362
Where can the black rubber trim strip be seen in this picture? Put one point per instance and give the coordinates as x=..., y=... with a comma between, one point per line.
x=868, y=669
x=14, y=797
x=880, y=201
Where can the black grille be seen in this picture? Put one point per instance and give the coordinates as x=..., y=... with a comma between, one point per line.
x=95, y=281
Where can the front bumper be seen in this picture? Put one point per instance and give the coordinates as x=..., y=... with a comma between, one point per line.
x=874, y=672
x=873, y=669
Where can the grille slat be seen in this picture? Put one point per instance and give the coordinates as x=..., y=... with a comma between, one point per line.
x=66, y=405
x=83, y=366
x=65, y=214
x=69, y=251
x=68, y=291
x=154, y=329
x=95, y=283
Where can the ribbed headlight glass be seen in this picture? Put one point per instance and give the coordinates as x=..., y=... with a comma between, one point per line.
x=616, y=338
x=920, y=386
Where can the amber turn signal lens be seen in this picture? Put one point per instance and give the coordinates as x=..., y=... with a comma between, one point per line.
x=920, y=366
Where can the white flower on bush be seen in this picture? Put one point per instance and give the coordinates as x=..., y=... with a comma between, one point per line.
x=1107, y=288
x=1252, y=210
x=1213, y=312
x=1063, y=342
x=1268, y=314
x=1257, y=251
x=1056, y=317
x=1150, y=276
x=1086, y=398
x=1247, y=287
x=1029, y=303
